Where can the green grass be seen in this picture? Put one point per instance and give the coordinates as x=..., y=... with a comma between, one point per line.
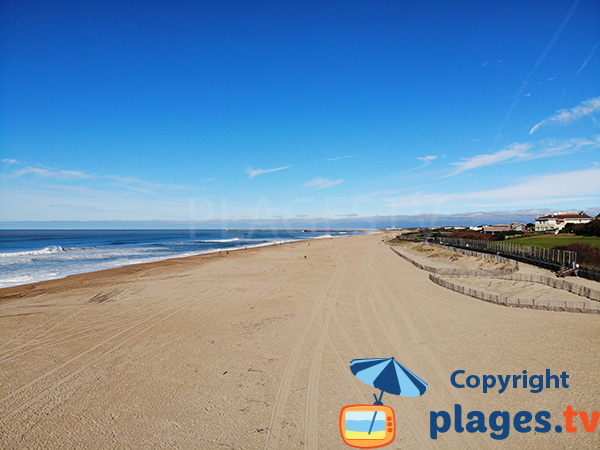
x=552, y=240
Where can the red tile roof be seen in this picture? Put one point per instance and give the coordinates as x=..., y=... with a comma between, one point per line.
x=565, y=216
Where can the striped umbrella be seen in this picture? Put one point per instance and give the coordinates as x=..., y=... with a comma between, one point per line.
x=389, y=376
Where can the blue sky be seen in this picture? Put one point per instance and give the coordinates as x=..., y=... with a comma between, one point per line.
x=230, y=111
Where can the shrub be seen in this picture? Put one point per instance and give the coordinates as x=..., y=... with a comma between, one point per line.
x=505, y=234
x=587, y=254
x=568, y=228
x=470, y=235
x=588, y=229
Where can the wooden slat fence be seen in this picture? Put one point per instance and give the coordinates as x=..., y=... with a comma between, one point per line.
x=545, y=304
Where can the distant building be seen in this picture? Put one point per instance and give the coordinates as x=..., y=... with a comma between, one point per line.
x=517, y=226
x=556, y=222
x=493, y=229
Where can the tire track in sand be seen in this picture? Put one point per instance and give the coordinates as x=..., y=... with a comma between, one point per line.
x=58, y=318
x=328, y=299
x=413, y=334
x=283, y=391
x=62, y=337
x=385, y=322
x=154, y=319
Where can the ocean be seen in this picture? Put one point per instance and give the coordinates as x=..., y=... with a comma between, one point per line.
x=31, y=256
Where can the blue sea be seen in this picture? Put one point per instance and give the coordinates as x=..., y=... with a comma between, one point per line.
x=31, y=256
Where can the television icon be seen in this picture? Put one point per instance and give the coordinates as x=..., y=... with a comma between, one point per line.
x=367, y=426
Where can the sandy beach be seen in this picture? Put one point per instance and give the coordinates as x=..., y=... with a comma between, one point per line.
x=251, y=350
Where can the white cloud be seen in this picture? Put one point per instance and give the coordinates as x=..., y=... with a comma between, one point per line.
x=565, y=116
x=60, y=202
x=537, y=191
x=547, y=187
x=31, y=175
x=337, y=158
x=427, y=160
x=321, y=183
x=513, y=151
x=59, y=174
x=9, y=161
x=523, y=152
x=254, y=172
x=568, y=146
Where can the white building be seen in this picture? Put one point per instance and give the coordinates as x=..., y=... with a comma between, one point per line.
x=556, y=222
x=517, y=226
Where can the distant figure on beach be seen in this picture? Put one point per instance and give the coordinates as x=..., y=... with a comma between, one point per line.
x=304, y=256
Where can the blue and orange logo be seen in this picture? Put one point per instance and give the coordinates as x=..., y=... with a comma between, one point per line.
x=372, y=426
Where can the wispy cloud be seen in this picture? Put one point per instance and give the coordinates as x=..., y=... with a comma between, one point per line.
x=513, y=151
x=536, y=191
x=588, y=58
x=539, y=61
x=32, y=174
x=9, y=161
x=565, y=116
x=426, y=160
x=544, y=188
x=321, y=183
x=254, y=172
x=58, y=174
x=489, y=63
x=337, y=158
x=523, y=152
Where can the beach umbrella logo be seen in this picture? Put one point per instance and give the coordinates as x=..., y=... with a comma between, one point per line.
x=372, y=426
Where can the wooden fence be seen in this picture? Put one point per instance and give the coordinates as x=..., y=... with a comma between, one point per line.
x=456, y=272
x=548, y=255
x=548, y=258
x=556, y=283
x=544, y=304
x=489, y=256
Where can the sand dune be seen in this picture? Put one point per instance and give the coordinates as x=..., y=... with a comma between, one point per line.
x=251, y=350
